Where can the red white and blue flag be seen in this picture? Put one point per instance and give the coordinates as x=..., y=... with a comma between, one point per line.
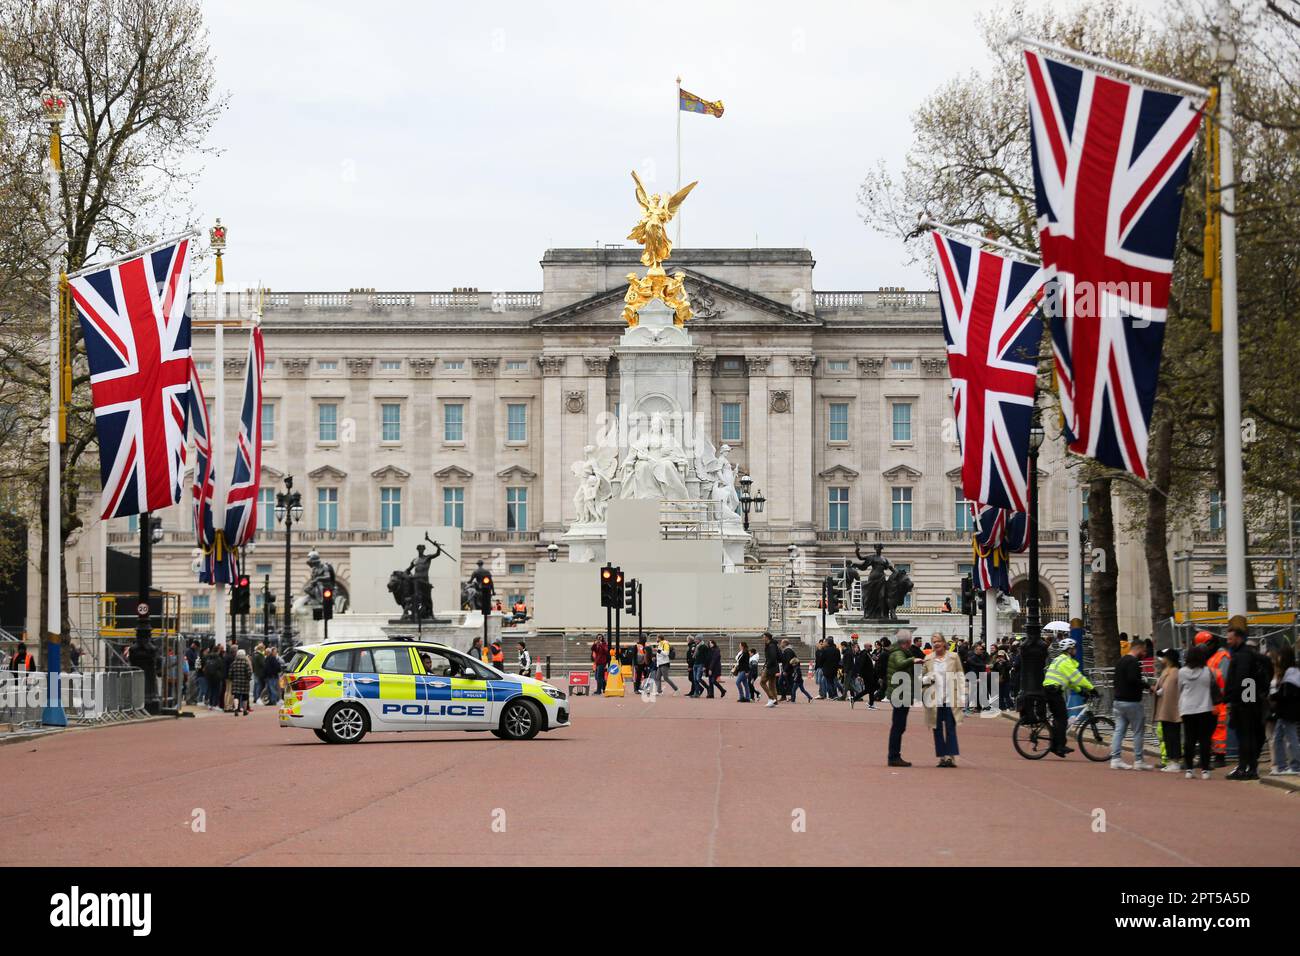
x=135, y=323
x=241, y=499
x=991, y=321
x=1110, y=159
x=202, y=488
x=998, y=532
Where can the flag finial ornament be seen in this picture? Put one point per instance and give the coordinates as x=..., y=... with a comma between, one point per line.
x=54, y=106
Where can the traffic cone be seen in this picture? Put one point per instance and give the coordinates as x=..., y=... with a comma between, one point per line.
x=537, y=670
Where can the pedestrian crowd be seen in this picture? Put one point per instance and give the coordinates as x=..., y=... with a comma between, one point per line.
x=225, y=677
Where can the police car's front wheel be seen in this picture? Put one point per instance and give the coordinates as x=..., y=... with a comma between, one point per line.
x=521, y=720
x=345, y=723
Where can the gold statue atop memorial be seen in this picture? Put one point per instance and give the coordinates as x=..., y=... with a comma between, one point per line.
x=657, y=210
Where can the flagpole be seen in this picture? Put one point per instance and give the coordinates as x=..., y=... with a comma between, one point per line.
x=1235, y=530
x=54, y=104
x=134, y=254
x=678, y=104
x=1170, y=82
x=218, y=437
x=1074, y=518
x=925, y=222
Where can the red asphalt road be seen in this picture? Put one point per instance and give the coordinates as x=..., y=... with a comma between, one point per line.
x=714, y=783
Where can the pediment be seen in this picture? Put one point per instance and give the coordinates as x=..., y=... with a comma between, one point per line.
x=453, y=473
x=390, y=473
x=901, y=473
x=327, y=473
x=838, y=471
x=516, y=471
x=713, y=301
x=953, y=474
x=272, y=473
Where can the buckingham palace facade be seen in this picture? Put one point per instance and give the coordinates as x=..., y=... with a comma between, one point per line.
x=468, y=408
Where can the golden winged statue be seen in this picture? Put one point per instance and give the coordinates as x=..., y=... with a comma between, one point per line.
x=656, y=212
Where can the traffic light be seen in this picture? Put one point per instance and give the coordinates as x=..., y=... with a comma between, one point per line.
x=830, y=586
x=611, y=586
x=629, y=597
x=327, y=602
x=239, y=595
x=485, y=594
x=967, y=595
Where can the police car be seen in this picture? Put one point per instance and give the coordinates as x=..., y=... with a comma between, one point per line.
x=346, y=689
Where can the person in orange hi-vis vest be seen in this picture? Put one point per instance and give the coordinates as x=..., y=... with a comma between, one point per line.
x=1218, y=665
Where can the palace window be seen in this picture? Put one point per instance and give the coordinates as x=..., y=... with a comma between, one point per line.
x=268, y=422
x=1216, y=511
x=453, y=507
x=517, y=569
x=839, y=422
x=454, y=365
x=901, y=509
x=901, y=365
x=327, y=422
x=964, y=521
x=837, y=365
x=516, y=423
x=199, y=607
x=516, y=365
x=837, y=509
x=731, y=421
x=902, y=419
x=390, y=508
x=453, y=422
x=516, y=509
x=327, y=365
x=266, y=509
x=390, y=365
x=327, y=509
x=390, y=416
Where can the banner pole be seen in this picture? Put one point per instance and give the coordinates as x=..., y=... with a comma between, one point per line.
x=53, y=713
x=1235, y=530
x=217, y=440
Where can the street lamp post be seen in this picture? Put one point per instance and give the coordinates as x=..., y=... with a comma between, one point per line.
x=288, y=510
x=1033, y=655
x=750, y=502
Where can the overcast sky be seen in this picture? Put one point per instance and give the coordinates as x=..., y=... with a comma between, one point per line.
x=411, y=147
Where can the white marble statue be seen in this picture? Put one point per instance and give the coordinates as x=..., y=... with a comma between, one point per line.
x=717, y=477
x=595, y=474
x=654, y=464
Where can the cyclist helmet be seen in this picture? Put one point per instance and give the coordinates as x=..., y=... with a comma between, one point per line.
x=1065, y=645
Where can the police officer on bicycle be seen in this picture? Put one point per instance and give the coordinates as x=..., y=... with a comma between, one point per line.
x=1063, y=674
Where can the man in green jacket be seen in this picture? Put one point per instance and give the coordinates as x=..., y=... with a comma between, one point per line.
x=899, y=674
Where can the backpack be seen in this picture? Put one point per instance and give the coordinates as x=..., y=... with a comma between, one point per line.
x=672, y=652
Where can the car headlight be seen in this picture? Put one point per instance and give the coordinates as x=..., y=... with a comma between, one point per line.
x=554, y=692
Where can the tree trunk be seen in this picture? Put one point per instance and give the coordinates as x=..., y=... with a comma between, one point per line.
x=1156, y=536
x=1105, y=575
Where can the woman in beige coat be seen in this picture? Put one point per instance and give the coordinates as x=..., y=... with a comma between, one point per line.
x=1167, y=717
x=943, y=695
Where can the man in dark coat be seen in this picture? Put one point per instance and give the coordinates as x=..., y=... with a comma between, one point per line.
x=1244, y=691
x=714, y=668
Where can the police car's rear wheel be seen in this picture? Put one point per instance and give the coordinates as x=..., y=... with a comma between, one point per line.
x=521, y=720
x=345, y=724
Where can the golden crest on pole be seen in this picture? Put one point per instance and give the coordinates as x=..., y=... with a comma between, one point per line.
x=657, y=210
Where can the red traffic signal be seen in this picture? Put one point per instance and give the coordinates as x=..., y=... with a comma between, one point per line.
x=327, y=594
x=487, y=580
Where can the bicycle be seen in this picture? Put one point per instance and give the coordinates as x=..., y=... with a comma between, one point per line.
x=1093, y=732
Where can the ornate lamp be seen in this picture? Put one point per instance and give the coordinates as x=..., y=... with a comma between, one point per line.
x=552, y=552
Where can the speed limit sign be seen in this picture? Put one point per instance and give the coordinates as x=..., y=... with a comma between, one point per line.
x=142, y=609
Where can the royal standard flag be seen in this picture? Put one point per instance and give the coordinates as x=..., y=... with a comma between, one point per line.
x=694, y=104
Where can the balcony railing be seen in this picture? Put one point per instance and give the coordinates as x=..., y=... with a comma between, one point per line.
x=882, y=300
x=867, y=536
x=203, y=305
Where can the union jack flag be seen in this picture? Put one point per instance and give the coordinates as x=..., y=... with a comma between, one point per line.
x=202, y=487
x=998, y=532
x=1110, y=159
x=241, y=499
x=990, y=308
x=135, y=322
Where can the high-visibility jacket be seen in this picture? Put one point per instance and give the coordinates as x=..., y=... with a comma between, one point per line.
x=498, y=656
x=1064, y=672
x=24, y=663
x=1218, y=665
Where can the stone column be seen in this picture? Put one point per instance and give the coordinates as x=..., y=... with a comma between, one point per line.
x=801, y=461
x=873, y=437
x=704, y=396
x=552, y=438
x=487, y=489
x=362, y=497
x=936, y=407
x=424, y=420
x=756, y=454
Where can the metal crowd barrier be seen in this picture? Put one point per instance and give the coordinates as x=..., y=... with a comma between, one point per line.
x=88, y=697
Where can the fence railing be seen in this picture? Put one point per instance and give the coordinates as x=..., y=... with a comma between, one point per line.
x=87, y=697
